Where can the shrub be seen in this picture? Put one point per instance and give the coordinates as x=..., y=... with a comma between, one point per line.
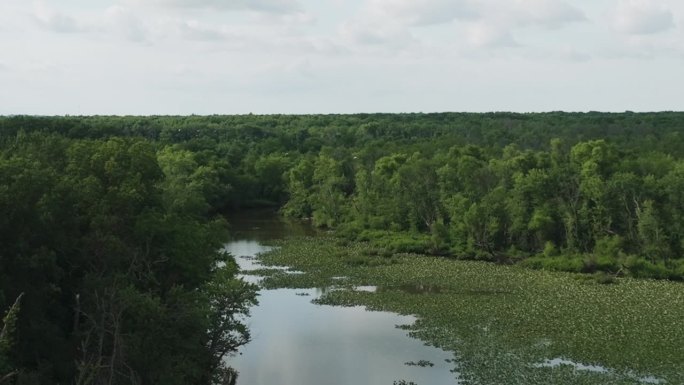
x=572, y=263
x=641, y=268
x=594, y=263
x=550, y=249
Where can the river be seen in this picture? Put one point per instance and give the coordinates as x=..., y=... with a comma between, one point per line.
x=296, y=342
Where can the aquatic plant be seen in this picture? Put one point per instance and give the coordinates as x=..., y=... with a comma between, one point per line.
x=421, y=363
x=501, y=320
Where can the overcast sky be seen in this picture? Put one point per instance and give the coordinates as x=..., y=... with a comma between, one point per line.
x=339, y=56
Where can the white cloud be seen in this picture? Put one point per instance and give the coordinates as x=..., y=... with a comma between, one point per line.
x=391, y=36
x=642, y=17
x=268, y=6
x=547, y=13
x=126, y=23
x=212, y=56
x=55, y=21
x=196, y=30
x=298, y=18
x=483, y=23
x=487, y=35
x=115, y=20
x=422, y=12
x=499, y=20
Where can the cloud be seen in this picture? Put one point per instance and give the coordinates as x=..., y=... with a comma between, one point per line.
x=55, y=21
x=126, y=23
x=115, y=20
x=422, y=12
x=298, y=18
x=550, y=13
x=479, y=24
x=267, y=6
x=486, y=35
x=319, y=56
x=255, y=31
x=365, y=33
x=499, y=21
x=195, y=30
x=547, y=13
x=386, y=25
x=642, y=17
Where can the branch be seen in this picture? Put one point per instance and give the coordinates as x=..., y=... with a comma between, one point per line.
x=9, y=322
x=8, y=376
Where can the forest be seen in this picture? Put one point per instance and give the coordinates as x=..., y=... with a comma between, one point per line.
x=111, y=228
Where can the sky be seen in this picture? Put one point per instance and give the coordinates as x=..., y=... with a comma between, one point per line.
x=173, y=57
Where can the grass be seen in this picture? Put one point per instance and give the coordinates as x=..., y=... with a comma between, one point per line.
x=502, y=321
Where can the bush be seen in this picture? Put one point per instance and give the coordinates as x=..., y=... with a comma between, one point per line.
x=392, y=242
x=594, y=263
x=572, y=263
x=550, y=249
x=375, y=251
x=349, y=231
x=641, y=268
x=678, y=270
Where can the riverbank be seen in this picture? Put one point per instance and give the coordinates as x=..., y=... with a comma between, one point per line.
x=507, y=324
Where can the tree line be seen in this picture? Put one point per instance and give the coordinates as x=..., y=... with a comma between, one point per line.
x=587, y=207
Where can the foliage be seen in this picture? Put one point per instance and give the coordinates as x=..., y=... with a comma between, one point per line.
x=7, y=336
x=111, y=242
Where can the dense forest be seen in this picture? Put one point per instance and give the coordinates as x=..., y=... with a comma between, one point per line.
x=111, y=227
x=112, y=266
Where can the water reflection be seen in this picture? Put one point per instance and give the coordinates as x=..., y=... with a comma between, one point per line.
x=298, y=343
x=264, y=225
x=245, y=252
x=295, y=342
x=556, y=362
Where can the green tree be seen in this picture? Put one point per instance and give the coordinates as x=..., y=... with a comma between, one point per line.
x=7, y=336
x=300, y=183
x=418, y=187
x=328, y=200
x=653, y=237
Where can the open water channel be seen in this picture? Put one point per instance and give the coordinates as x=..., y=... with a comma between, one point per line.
x=297, y=342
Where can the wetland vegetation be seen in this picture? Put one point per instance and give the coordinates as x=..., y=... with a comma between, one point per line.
x=111, y=231
x=506, y=324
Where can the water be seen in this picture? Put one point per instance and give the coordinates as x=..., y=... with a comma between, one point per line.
x=295, y=342
x=264, y=225
x=556, y=362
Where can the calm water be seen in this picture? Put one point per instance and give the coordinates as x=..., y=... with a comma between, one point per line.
x=295, y=342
